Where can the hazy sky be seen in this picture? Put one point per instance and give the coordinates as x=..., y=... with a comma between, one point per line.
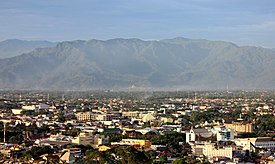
x=244, y=22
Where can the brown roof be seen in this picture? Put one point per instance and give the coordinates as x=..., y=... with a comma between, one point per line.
x=263, y=139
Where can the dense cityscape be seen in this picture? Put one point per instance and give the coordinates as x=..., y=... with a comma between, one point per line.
x=137, y=127
x=137, y=82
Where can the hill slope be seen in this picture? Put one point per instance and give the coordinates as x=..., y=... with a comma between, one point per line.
x=121, y=63
x=15, y=47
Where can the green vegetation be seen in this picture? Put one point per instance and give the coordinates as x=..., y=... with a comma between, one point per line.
x=36, y=151
x=121, y=154
x=71, y=132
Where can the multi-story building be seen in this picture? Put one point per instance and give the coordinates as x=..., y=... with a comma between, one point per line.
x=222, y=133
x=85, y=138
x=210, y=151
x=103, y=117
x=131, y=114
x=85, y=116
x=240, y=127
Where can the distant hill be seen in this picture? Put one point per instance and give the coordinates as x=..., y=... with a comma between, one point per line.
x=133, y=63
x=15, y=47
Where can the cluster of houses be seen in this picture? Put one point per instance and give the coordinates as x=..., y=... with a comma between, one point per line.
x=213, y=140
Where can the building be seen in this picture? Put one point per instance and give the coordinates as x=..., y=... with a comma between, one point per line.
x=239, y=127
x=103, y=117
x=17, y=111
x=131, y=114
x=256, y=143
x=58, y=140
x=85, y=138
x=137, y=143
x=199, y=135
x=223, y=134
x=42, y=106
x=29, y=107
x=210, y=151
x=85, y=116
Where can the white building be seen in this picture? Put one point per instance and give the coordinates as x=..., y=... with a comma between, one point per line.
x=223, y=134
x=210, y=151
x=252, y=143
x=103, y=117
x=85, y=138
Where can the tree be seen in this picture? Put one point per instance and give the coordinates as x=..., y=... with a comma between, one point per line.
x=189, y=160
x=84, y=148
x=150, y=155
x=163, y=158
x=15, y=139
x=72, y=132
x=52, y=160
x=61, y=118
x=178, y=161
x=97, y=156
x=129, y=155
x=36, y=151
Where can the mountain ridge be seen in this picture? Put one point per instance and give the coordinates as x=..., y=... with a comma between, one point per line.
x=15, y=47
x=121, y=63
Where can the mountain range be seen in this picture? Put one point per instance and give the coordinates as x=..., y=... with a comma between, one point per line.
x=15, y=47
x=169, y=64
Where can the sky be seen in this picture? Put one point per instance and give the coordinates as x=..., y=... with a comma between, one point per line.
x=243, y=22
